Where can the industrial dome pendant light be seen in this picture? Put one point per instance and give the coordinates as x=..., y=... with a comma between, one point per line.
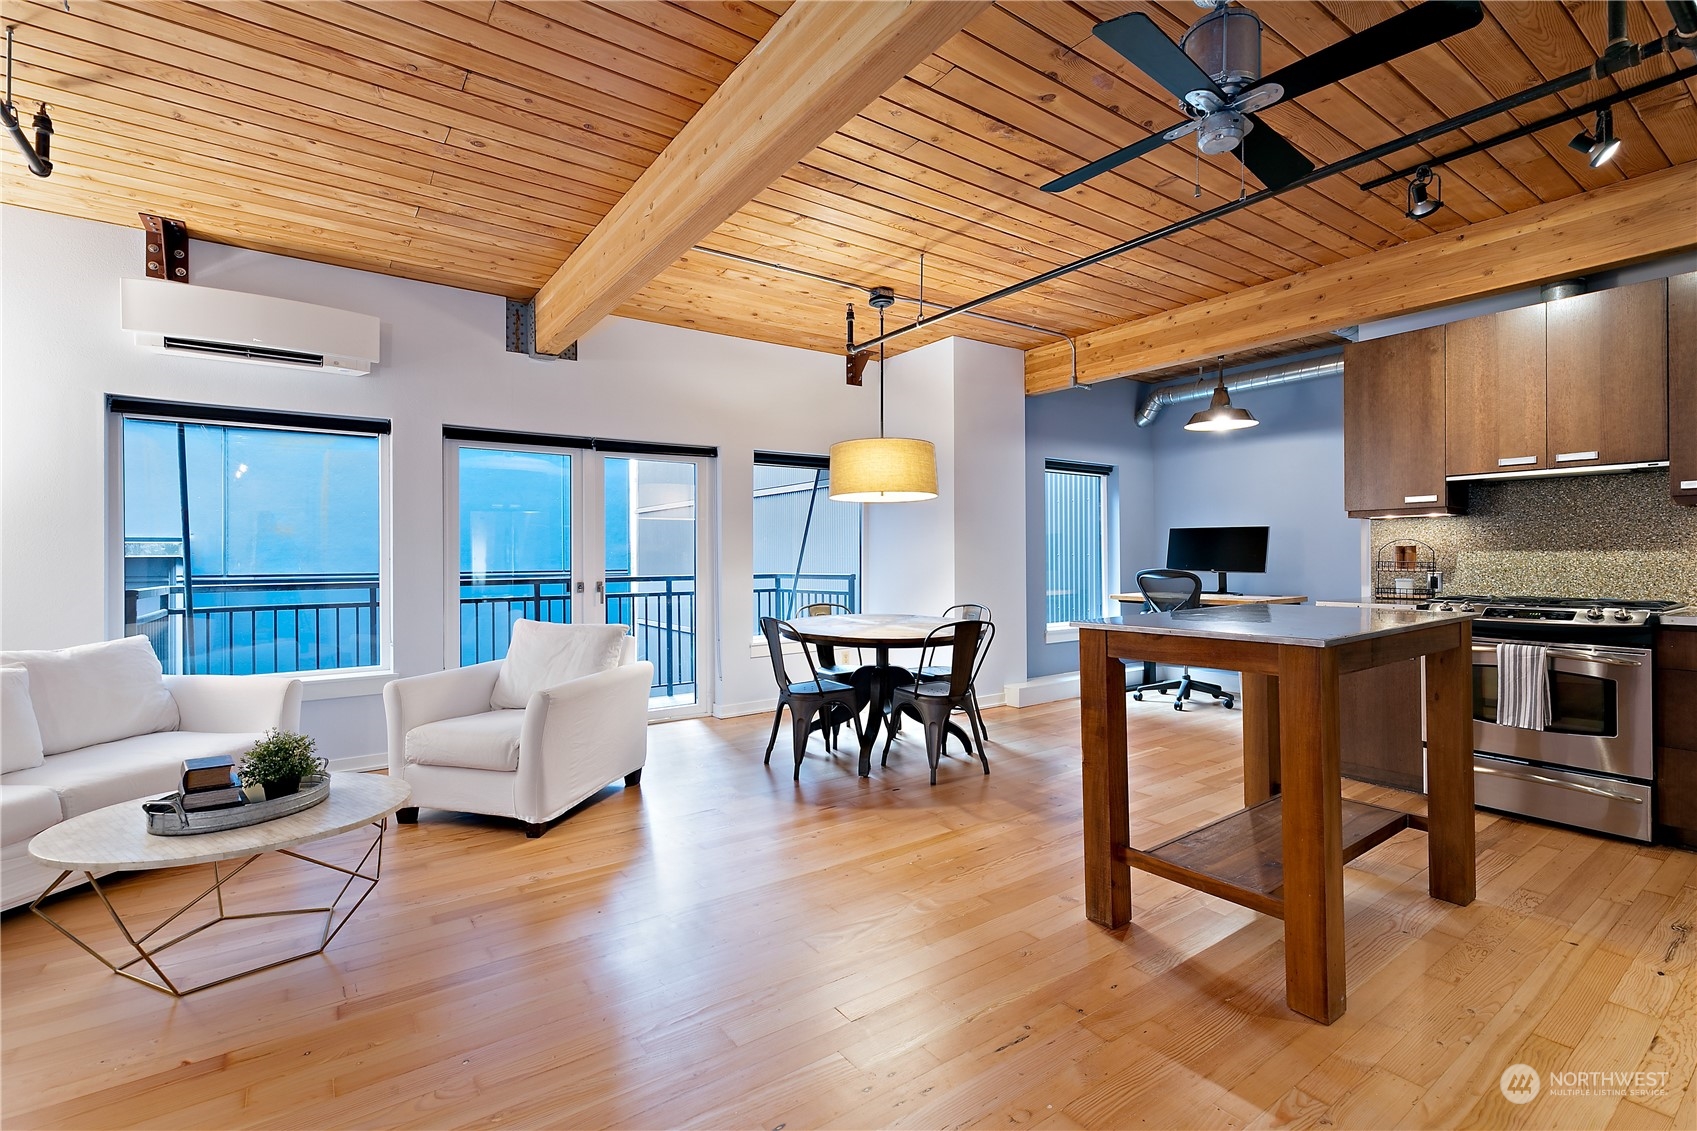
x=1221, y=415
x=887, y=469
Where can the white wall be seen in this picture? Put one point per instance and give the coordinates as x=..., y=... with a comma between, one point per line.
x=61, y=353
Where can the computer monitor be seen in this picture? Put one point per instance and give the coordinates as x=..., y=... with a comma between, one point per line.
x=1218, y=550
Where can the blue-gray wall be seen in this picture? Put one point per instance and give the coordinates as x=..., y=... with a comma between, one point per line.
x=1286, y=474
x=1097, y=426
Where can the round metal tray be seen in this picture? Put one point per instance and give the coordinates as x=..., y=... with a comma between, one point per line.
x=167, y=817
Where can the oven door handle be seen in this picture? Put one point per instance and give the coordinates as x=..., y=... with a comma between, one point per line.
x=1565, y=655
x=1559, y=782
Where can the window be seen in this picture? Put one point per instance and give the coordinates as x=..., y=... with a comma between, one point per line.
x=806, y=548
x=251, y=541
x=1075, y=514
x=515, y=545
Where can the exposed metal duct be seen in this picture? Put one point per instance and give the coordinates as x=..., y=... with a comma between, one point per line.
x=1567, y=288
x=1287, y=373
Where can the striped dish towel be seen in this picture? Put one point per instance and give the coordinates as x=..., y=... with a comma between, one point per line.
x=1523, y=686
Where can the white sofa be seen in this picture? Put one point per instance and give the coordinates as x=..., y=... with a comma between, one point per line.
x=526, y=737
x=86, y=727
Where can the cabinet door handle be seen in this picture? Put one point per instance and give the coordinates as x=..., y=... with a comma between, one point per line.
x=1516, y=461
x=1688, y=484
x=1565, y=457
x=1427, y=498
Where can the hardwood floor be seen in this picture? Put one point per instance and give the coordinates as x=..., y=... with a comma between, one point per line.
x=721, y=947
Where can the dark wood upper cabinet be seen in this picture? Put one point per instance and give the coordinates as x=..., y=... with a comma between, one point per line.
x=1393, y=425
x=1682, y=388
x=1607, y=376
x=1494, y=393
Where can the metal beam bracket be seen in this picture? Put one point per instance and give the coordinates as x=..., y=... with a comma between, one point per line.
x=521, y=333
x=167, y=248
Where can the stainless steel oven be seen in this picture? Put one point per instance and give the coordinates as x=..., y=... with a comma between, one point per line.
x=1593, y=764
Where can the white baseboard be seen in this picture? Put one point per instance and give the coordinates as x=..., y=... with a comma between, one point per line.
x=1043, y=689
x=358, y=763
x=750, y=707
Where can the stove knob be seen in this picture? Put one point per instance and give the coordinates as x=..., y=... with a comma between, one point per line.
x=1464, y=607
x=1444, y=607
x=1595, y=612
x=1622, y=614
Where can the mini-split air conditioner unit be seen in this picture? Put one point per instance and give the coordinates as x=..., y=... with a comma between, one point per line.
x=180, y=318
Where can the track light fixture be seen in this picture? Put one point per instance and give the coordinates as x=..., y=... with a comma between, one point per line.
x=1221, y=415
x=1599, y=145
x=37, y=154
x=1425, y=193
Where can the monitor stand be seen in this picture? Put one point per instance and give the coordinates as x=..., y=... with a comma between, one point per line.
x=1222, y=591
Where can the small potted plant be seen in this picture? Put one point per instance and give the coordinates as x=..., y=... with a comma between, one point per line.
x=279, y=761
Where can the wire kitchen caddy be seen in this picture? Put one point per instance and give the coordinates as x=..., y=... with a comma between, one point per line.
x=1405, y=572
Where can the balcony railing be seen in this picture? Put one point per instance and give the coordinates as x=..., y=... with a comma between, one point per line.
x=287, y=623
x=784, y=595
x=259, y=623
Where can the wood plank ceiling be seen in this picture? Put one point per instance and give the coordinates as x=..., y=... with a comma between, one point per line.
x=475, y=143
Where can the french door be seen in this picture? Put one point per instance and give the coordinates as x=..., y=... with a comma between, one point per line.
x=572, y=535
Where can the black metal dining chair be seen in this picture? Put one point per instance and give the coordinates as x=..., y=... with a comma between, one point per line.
x=1166, y=591
x=964, y=612
x=932, y=701
x=815, y=704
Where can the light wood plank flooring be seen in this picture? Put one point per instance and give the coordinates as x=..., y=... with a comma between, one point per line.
x=724, y=948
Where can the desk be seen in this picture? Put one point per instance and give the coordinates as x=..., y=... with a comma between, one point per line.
x=880, y=632
x=1284, y=854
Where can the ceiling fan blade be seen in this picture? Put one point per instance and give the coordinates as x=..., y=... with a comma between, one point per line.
x=1404, y=32
x=1274, y=161
x=1135, y=36
x=1111, y=161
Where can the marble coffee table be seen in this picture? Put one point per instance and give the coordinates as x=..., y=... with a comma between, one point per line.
x=116, y=839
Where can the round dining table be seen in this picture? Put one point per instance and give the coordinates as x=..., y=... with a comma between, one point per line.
x=881, y=632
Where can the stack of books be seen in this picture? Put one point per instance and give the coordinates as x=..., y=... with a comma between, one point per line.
x=211, y=783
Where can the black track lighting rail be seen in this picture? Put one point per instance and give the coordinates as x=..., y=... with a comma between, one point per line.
x=1544, y=123
x=1674, y=39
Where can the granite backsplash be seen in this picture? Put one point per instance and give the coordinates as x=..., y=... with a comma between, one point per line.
x=1613, y=535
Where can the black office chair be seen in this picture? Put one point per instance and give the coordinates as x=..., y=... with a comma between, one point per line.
x=831, y=701
x=1165, y=591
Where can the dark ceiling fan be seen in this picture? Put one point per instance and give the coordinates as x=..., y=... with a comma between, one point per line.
x=1215, y=71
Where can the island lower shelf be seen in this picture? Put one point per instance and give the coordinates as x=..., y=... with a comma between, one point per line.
x=1240, y=857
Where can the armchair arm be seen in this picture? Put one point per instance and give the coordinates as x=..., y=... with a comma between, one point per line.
x=580, y=735
x=415, y=700
x=235, y=703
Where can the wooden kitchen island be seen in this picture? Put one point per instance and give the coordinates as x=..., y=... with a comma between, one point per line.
x=1284, y=854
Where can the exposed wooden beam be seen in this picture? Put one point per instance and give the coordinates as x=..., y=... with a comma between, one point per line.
x=1650, y=215
x=819, y=66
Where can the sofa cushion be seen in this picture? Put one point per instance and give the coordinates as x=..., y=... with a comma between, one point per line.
x=26, y=810
x=96, y=693
x=546, y=655
x=489, y=741
x=146, y=765
x=20, y=737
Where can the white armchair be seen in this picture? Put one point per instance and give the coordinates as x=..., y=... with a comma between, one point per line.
x=462, y=741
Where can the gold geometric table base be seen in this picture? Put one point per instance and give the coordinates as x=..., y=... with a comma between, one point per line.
x=145, y=954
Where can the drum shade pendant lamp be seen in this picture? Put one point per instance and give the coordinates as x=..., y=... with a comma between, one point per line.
x=1221, y=415
x=885, y=469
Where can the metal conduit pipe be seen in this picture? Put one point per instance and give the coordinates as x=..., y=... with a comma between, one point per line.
x=1288, y=373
